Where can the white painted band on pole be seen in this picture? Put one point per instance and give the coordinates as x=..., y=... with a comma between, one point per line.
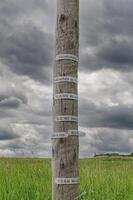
x=65, y=134
x=66, y=118
x=66, y=96
x=65, y=79
x=67, y=57
x=66, y=181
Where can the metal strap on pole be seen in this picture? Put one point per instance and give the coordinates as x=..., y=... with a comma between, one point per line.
x=66, y=96
x=65, y=79
x=64, y=134
x=67, y=57
x=66, y=118
x=66, y=181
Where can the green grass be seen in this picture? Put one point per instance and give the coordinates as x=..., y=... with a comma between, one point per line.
x=105, y=178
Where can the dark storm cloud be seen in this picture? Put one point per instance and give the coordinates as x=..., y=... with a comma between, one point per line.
x=117, y=52
x=113, y=54
x=106, y=35
x=119, y=117
x=6, y=133
x=11, y=97
x=10, y=103
x=28, y=52
x=25, y=48
x=14, y=8
x=111, y=140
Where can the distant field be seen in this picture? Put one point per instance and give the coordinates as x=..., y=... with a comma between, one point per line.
x=101, y=179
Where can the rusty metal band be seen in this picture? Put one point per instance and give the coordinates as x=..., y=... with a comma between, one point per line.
x=65, y=79
x=66, y=96
x=66, y=118
x=67, y=57
x=67, y=181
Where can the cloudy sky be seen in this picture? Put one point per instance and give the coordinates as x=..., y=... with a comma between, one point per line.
x=105, y=76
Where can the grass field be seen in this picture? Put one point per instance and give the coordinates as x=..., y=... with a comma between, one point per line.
x=101, y=178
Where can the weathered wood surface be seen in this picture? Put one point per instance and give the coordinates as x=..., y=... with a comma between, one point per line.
x=65, y=151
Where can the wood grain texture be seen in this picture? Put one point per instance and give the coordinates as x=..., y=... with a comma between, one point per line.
x=65, y=151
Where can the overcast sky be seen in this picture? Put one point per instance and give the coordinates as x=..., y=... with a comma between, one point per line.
x=105, y=76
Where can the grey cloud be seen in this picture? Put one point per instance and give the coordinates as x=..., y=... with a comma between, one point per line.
x=118, y=55
x=25, y=47
x=28, y=52
x=106, y=140
x=32, y=143
x=119, y=117
x=111, y=140
x=45, y=132
x=26, y=37
x=11, y=96
x=7, y=133
x=103, y=33
x=113, y=54
x=14, y=8
x=10, y=103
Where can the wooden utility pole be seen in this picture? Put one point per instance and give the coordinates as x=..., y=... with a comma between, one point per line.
x=65, y=139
